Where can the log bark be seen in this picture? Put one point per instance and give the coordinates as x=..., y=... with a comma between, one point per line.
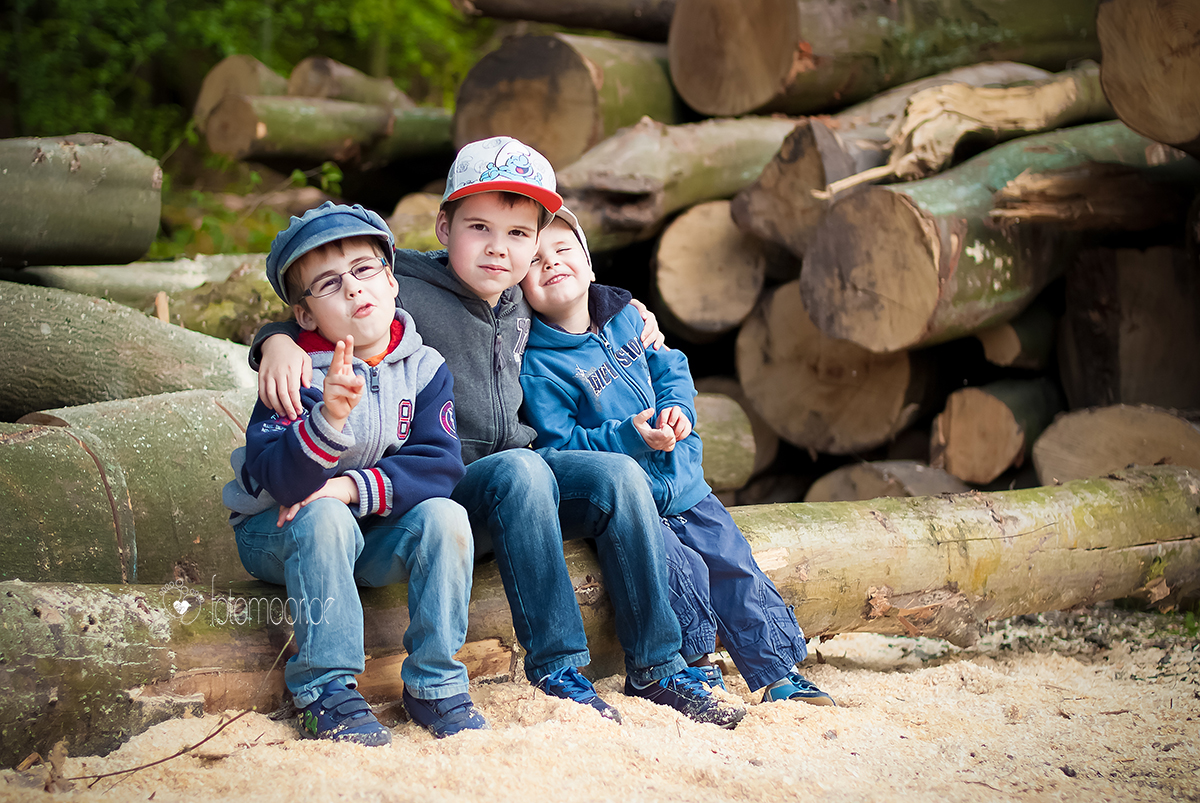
x=801, y=56
x=235, y=75
x=986, y=430
x=1100, y=440
x=412, y=221
x=766, y=442
x=642, y=19
x=780, y=206
x=137, y=283
x=728, y=441
x=1027, y=341
x=938, y=120
x=123, y=491
x=932, y=566
x=908, y=265
x=821, y=394
x=1128, y=314
x=80, y=199
x=62, y=349
x=1102, y=197
x=1151, y=62
x=623, y=189
x=707, y=273
x=322, y=77
x=318, y=130
x=563, y=94
x=898, y=478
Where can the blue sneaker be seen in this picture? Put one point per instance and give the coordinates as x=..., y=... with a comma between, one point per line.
x=688, y=693
x=341, y=714
x=712, y=675
x=446, y=716
x=568, y=684
x=797, y=687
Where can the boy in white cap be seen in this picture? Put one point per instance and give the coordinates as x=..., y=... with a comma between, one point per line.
x=352, y=488
x=499, y=194
x=589, y=384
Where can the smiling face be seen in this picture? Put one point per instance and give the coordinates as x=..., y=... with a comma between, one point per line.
x=558, y=280
x=363, y=309
x=490, y=242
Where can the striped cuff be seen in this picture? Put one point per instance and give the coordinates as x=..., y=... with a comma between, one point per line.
x=322, y=443
x=374, y=491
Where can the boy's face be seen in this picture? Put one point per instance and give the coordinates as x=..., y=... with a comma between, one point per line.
x=558, y=280
x=490, y=243
x=361, y=308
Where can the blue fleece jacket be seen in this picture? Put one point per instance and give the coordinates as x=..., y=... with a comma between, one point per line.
x=399, y=444
x=582, y=392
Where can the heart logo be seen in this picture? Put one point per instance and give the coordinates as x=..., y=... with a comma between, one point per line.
x=181, y=606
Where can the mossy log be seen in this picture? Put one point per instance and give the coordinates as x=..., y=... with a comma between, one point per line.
x=62, y=349
x=728, y=441
x=707, y=273
x=239, y=74
x=123, y=491
x=781, y=207
x=1100, y=440
x=82, y=199
x=1130, y=327
x=318, y=130
x=323, y=77
x=1150, y=66
x=136, y=283
x=938, y=120
x=984, y=431
x=766, y=442
x=822, y=394
x=623, y=189
x=907, y=265
x=935, y=566
x=641, y=19
x=880, y=478
x=801, y=56
x=563, y=94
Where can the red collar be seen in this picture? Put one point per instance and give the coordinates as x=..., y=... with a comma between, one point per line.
x=313, y=343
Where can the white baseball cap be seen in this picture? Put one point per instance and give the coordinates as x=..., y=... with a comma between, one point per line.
x=502, y=164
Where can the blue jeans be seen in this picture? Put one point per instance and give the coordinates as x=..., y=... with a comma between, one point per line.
x=708, y=552
x=527, y=503
x=324, y=553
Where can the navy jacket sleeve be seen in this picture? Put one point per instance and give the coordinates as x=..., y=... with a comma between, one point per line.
x=428, y=465
x=292, y=459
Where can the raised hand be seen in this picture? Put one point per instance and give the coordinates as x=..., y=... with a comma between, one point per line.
x=660, y=438
x=343, y=389
x=675, y=419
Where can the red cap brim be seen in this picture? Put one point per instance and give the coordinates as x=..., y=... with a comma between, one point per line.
x=547, y=198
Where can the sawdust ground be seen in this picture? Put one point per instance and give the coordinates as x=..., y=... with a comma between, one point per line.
x=1092, y=706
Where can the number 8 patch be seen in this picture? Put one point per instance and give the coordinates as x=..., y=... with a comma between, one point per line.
x=406, y=412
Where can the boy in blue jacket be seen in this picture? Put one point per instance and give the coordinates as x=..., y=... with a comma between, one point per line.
x=355, y=489
x=589, y=384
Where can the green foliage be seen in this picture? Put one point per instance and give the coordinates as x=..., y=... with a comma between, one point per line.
x=130, y=68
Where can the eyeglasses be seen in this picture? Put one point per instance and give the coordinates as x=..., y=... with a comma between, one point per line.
x=328, y=285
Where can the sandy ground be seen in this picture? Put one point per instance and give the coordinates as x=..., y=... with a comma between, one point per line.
x=1100, y=705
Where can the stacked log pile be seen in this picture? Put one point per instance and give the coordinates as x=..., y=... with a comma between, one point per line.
x=951, y=262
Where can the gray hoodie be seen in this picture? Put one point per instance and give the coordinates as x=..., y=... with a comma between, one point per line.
x=482, y=348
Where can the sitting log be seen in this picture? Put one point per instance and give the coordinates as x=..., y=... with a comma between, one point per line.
x=563, y=94
x=82, y=199
x=880, y=478
x=822, y=394
x=1100, y=440
x=63, y=349
x=623, y=189
x=935, y=566
x=908, y=265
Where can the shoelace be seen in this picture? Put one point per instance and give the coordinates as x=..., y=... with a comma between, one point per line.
x=572, y=683
x=693, y=683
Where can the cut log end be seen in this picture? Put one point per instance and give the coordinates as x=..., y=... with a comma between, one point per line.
x=871, y=273
x=976, y=437
x=233, y=127
x=730, y=58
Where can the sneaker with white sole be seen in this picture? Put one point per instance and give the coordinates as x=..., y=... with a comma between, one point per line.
x=688, y=693
x=797, y=687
